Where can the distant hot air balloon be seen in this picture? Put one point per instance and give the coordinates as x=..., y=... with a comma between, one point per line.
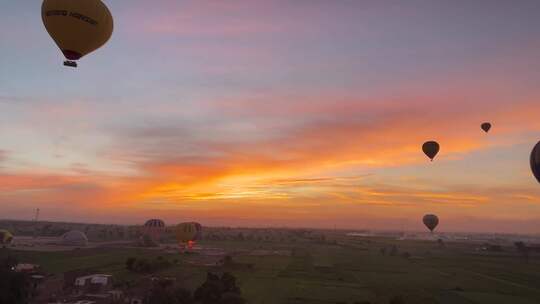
x=430, y=148
x=5, y=237
x=188, y=233
x=78, y=27
x=486, y=126
x=153, y=229
x=535, y=161
x=431, y=221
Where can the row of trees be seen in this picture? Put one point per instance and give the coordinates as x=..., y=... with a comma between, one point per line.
x=393, y=300
x=215, y=290
x=147, y=265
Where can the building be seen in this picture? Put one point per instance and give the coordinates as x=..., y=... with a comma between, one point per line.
x=93, y=279
x=93, y=284
x=26, y=268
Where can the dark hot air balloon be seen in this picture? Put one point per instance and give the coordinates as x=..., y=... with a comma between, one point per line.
x=486, y=126
x=153, y=229
x=78, y=27
x=431, y=221
x=430, y=148
x=535, y=161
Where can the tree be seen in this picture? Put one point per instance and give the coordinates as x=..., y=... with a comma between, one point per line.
x=163, y=292
x=142, y=265
x=14, y=287
x=232, y=298
x=229, y=283
x=219, y=290
x=147, y=241
x=210, y=291
x=8, y=263
x=523, y=249
x=397, y=300
x=440, y=242
x=130, y=262
x=183, y=296
x=228, y=261
x=393, y=250
x=146, y=265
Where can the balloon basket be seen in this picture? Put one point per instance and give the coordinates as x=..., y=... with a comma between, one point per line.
x=69, y=63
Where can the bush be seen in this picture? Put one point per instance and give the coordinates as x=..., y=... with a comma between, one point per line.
x=147, y=266
x=232, y=298
x=397, y=300
x=129, y=263
x=219, y=290
x=164, y=293
x=228, y=261
x=215, y=290
x=8, y=263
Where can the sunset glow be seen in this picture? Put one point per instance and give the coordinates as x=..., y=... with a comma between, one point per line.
x=277, y=113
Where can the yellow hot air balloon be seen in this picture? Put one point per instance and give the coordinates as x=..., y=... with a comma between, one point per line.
x=5, y=237
x=188, y=233
x=78, y=27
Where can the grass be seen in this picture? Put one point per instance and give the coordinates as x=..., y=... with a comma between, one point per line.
x=328, y=273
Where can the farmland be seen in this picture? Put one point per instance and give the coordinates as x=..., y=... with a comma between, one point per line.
x=337, y=269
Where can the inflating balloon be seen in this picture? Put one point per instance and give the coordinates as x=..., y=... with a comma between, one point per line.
x=431, y=221
x=430, y=148
x=188, y=233
x=486, y=126
x=153, y=228
x=535, y=161
x=5, y=237
x=78, y=27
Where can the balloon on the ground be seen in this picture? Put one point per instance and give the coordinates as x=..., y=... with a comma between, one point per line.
x=535, y=161
x=430, y=148
x=74, y=238
x=486, y=126
x=431, y=221
x=188, y=233
x=5, y=237
x=153, y=229
x=78, y=27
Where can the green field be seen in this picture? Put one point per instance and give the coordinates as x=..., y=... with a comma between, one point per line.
x=318, y=272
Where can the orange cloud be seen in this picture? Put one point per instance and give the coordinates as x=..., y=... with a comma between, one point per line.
x=231, y=167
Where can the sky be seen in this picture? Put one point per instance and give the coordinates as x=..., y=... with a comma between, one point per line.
x=259, y=113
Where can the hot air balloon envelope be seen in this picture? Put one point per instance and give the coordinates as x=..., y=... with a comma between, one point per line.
x=78, y=27
x=535, y=161
x=430, y=148
x=431, y=221
x=153, y=229
x=486, y=126
x=188, y=232
x=5, y=237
